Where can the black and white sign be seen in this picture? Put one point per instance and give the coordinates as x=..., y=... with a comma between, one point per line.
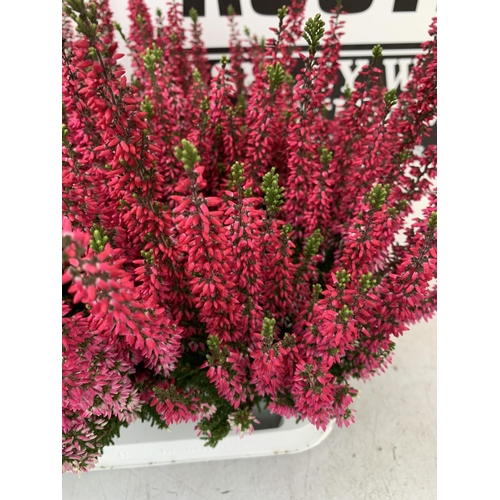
x=400, y=26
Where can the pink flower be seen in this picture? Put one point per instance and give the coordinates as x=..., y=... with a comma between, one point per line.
x=224, y=243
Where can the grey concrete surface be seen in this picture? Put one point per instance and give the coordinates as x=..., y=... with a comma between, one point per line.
x=389, y=453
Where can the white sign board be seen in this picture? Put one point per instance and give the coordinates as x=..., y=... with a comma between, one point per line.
x=400, y=26
x=371, y=22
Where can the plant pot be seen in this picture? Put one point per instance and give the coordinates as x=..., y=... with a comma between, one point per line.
x=141, y=445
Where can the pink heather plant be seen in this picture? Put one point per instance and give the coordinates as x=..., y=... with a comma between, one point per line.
x=226, y=245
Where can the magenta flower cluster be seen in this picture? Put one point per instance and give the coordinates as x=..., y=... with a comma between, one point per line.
x=225, y=244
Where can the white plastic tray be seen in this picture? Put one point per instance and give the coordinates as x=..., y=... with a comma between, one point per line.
x=141, y=445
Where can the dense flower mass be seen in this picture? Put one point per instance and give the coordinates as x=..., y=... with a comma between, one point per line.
x=226, y=244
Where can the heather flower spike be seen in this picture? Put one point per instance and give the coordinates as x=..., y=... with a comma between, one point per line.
x=187, y=154
x=225, y=245
x=275, y=75
x=273, y=193
x=313, y=32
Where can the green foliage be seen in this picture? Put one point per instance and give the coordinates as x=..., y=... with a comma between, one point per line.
x=397, y=208
x=345, y=312
x=236, y=178
x=65, y=132
x=172, y=394
x=147, y=255
x=152, y=56
x=347, y=92
x=282, y=12
x=149, y=414
x=286, y=230
x=267, y=331
x=390, y=98
x=275, y=75
x=105, y=431
x=313, y=32
x=187, y=154
x=197, y=76
x=99, y=238
x=217, y=355
x=147, y=107
x=285, y=399
x=217, y=427
x=433, y=221
x=366, y=282
x=325, y=156
x=288, y=340
x=376, y=53
x=273, y=193
x=242, y=418
x=404, y=155
x=311, y=249
x=205, y=105
x=378, y=196
x=343, y=277
x=119, y=28
x=316, y=292
x=84, y=16
x=313, y=243
x=193, y=14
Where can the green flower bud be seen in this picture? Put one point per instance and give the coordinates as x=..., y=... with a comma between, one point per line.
x=313, y=32
x=275, y=75
x=273, y=193
x=390, y=98
x=378, y=195
x=282, y=12
x=433, y=220
x=236, y=178
x=193, y=14
x=187, y=154
x=312, y=244
x=376, y=52
x=343, y=277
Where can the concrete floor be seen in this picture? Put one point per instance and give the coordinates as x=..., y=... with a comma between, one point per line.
x=389, y=453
